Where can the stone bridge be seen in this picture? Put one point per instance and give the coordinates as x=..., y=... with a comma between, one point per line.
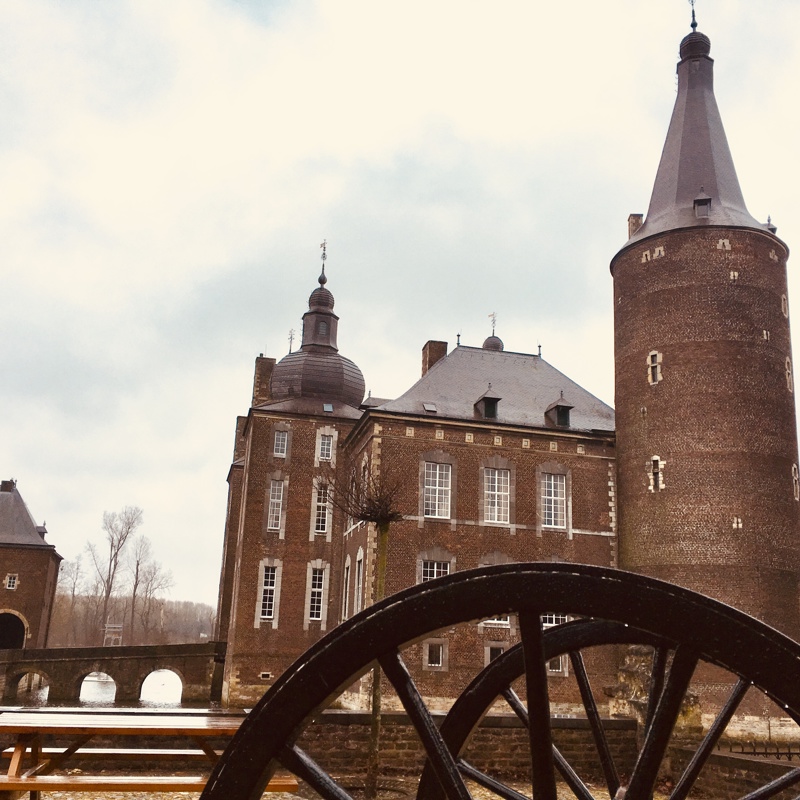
x=199, y=666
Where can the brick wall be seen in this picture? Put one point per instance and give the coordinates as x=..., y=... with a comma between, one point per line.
x=338, y=740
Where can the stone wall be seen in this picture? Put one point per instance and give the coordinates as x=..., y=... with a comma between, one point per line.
x=727, y=776
x=338, y=740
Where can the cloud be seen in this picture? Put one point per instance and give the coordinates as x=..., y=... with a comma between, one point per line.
x=169, y=169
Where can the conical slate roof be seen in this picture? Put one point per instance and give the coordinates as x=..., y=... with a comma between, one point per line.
x=17, y=526
x=696, y=163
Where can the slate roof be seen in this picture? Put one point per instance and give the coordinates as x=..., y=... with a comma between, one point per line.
x=696, y=159
x=526, y=385
x=17, y=526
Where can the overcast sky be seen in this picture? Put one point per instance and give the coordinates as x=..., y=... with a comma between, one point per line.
x=168, y=170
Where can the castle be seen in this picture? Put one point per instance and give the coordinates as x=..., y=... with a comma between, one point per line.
x=495, y=456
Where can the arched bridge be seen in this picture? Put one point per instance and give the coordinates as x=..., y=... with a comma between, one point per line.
x=199, y=666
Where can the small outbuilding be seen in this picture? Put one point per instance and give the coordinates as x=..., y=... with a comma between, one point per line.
x=28, y=574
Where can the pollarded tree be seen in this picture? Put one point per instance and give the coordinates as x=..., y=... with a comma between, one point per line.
x=369, y=493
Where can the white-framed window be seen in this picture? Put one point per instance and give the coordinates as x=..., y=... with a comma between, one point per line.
x=435, y=655
x=321, y=512
x=436, y=501
x=268, y=592
x=346, y=590
x=275, y=510
x=359, y=588
x=318, y=573
x=11, y=581
x=496, y=483
x=315, y=599
x=554, y=500
x=325, y=447
x=491, y=651
x=281, y=444
x=500, y=621
x=434, y=569
x=559, y=664
x=653, y=367
x=655, y=474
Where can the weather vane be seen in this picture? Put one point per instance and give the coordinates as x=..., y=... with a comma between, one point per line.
x=694, y=21
x=493, y=318
x=291, y=339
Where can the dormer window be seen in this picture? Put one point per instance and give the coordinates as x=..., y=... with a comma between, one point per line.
x=430, y=408
x=702, y=205
x=487, y=404
x=558, y=413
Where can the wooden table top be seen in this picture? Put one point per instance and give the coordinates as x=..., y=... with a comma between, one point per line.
x=123, y=724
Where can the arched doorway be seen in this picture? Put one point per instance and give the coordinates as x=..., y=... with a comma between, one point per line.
x=12, y=632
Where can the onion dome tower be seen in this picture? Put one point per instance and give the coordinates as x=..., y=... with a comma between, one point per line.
x=317, y=370
x=708, y=487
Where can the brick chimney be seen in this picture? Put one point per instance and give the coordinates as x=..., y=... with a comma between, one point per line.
x=431, y=353
x=241, y=444
x=261, y=391
x=8, y=486
x=634, y=223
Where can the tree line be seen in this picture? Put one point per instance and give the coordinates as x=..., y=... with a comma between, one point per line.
x=115, y=593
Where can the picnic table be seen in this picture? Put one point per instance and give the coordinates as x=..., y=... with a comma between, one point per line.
x=32, y=759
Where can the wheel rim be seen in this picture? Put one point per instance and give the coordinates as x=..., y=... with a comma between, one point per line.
x=718, y=634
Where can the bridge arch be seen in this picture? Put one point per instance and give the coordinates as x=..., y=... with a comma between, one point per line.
x=14, y=675
x=14, y=629
x=98, y=686
x=153, y=678
x=148, y=670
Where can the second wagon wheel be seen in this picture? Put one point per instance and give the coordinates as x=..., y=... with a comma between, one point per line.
x=683, y=627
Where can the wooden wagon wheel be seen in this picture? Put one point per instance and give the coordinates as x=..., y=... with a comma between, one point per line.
x=684, y=627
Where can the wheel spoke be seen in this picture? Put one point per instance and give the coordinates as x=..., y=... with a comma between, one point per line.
x=657, y=736
x=562, y=765
x=593, y=716
x=482, y=779
x=541, y=743
x=305, y=768
x=656, y=683
x=686, y=781
x=439, y=756
x=579, y=788
x=517, y=706
x=778, y=785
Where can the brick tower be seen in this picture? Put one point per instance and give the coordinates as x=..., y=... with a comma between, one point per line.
x=706, y=434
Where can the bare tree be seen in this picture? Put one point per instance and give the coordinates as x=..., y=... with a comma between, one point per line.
x=371, y=495
x=118, y=529
x=68, y=597
x=154, y=583
x=141, y=557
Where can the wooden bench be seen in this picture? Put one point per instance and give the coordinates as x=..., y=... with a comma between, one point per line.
x=124, y=783
x=122, y=754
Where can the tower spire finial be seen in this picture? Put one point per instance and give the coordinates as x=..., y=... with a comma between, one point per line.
x=694, y=19
x=493, y=317
x=324, y=257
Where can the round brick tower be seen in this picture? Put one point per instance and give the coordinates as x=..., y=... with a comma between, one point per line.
x=708, y=487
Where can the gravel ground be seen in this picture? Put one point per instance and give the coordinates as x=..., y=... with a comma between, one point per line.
x=399, y=789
